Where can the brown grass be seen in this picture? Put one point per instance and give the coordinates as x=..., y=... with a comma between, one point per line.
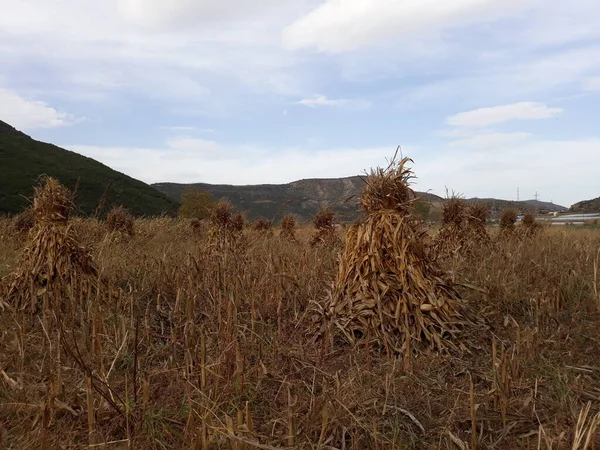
x=180, y=347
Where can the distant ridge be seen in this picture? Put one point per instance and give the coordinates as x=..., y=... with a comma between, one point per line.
x=498, y=205
x=23, y=160
x=586, y=206
x=302, y=198
x=305, y=197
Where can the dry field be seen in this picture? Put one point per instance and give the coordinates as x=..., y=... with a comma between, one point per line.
x=180, y=336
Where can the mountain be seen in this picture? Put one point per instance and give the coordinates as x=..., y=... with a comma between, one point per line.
x=533, y=206
x=305, y=197
x=586, y=206
x=23, y=160
x=272, y=201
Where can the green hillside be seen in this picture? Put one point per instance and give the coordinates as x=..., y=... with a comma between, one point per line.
x=23, y=160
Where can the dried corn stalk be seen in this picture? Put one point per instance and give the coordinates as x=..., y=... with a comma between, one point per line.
x=225, y=233
x=325, y=235
x=288, y=228
x=464, y=229
x=120, y=221
x=389, y=290
x=55, y=273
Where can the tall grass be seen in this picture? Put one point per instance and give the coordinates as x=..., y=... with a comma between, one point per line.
x=209, y=349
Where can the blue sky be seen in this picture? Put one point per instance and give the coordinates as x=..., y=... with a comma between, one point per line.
x=485, y=95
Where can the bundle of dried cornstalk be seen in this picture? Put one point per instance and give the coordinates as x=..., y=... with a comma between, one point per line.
x=452, y=238
x=478, y=216
x=55, y=274
x=464, y=228
x=508, y=219
x=288, y=228
x=120, y=221
x=529, y=226
x=325, y=235
x=389, y=290
x=225, y=233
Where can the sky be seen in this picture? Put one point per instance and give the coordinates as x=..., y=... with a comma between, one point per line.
x=486, y=96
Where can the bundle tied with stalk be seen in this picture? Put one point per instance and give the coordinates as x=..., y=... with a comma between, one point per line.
x=508, y=219
x=529, y=227
x=225, y=230
x=478, y=236
x=120, y=221
x=24, y=222
x=389, y=290
x=196, y=225
x=325, y=235
x=263, y=226
x=477, y=217
x=55, y=274
x=238, y=222
x=452, y=238
x=288, y=228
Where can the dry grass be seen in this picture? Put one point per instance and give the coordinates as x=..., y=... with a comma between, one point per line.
x=178, y=346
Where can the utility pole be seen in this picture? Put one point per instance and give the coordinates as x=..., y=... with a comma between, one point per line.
x=517, y=193
x=536, y=196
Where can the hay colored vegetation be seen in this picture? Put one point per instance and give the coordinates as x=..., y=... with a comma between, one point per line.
x=288, y=228
x=389, y=291
x=508, y=220
x=325, y=229
x=181, y=339
x=119, y=220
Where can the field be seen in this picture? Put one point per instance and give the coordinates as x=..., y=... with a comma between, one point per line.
x=185, y=344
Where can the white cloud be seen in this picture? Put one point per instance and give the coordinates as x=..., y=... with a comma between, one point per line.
x=193, y=160
x=26, y=114
x=533, y=164
x=342, y=25
x=177, y=128
x=591, y=84
x=94, y=47
x=504, y=113
x=160, y=14
x=490, y=140
x=508, y=76
x=321, y=100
